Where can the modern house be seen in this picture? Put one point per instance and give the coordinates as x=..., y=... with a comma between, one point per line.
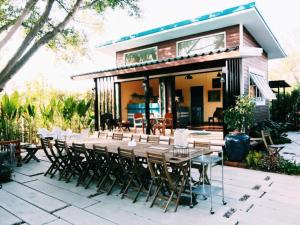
x=191, y=68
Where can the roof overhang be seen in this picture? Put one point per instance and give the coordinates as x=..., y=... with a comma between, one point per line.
x=247, y=14
x=278, y=84
x=156, y=67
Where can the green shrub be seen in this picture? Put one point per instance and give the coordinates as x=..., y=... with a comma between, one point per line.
x=260, y=161
x=240, y=117
x=280, y=165
x=277, y=130
x=286, y=108
x=254, y=159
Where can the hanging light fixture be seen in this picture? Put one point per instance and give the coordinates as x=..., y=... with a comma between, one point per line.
x=188, y=77
x=221, y=75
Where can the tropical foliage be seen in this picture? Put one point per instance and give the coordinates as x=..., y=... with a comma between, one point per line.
x=286, y=108
x=257, y=159
x=21, y=115
x=240, y=117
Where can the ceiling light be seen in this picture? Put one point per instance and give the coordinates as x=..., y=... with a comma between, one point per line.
x=188, y=77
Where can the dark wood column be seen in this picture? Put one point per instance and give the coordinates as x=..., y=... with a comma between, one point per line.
x=147, y=103
x=117, y=97
x=96, y=106
x=162, y=96
x=231, y=87
x=173, y=100
x=170, y=98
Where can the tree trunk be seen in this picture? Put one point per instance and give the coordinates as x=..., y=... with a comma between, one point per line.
x=6, y=26
x=26, y=42
x=9, y=71
x=29, y=5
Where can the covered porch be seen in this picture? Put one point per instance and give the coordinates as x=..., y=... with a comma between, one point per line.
x=194, y=89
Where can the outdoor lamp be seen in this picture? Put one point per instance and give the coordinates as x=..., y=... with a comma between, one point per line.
x=188, y=77
x=222, y=74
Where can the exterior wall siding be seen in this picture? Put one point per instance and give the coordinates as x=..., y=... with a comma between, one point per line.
x=167, y=49
x=259, y=63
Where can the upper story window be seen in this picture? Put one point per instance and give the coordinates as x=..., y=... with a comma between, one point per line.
x=139, y=56
x=201, y=44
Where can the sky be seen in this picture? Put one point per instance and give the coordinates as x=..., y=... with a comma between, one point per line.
x=282, y=18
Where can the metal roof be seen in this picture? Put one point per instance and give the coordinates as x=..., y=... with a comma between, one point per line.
x=246, y=14
x=87, y=75
x=278, y=84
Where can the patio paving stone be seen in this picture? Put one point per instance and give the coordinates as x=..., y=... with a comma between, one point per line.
x=18, y=177
x=36, y=198
x=61, y=194
x=24, y=210
x=78, y=216
x=8, y=218
x=59, y=222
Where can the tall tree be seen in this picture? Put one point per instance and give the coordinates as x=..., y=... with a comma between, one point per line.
x=47, y=24
x=29, y=5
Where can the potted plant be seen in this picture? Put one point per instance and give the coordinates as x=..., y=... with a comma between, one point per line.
x=239, y=119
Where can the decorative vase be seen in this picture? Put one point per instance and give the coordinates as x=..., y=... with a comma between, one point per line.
x=237, y=146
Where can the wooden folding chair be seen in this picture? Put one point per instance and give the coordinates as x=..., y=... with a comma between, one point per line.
x=117, y=136
x=134, y=174
x=127, y=137
x=76, y=163
x=46, y=147
x=102, y=135
x=273, y=150
x=138, y=121
x=81, y=161
x=161, y=177
x=136, y=137
x=67, y=157
x=109, y=168
x=153, y=139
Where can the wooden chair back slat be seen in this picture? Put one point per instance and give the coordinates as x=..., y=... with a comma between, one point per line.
x=102, y=135
x=202, y=144
x=136, y=137
x=153, y=139
x=117, y=136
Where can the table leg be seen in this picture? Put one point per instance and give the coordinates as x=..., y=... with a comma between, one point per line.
x=32, y=155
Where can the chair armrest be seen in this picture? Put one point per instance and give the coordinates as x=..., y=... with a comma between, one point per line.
x=256, y=139
x=277, y=146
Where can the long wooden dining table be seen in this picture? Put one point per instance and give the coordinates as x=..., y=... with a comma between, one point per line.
x=141, y=148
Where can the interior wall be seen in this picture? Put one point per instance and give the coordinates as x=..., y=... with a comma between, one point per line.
x=128, y=88
x=202, y=79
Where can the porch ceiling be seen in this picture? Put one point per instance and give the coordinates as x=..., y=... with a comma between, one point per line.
x=159, y=66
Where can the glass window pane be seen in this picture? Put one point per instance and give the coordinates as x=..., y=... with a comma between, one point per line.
x=144, y=55
x=202, y=44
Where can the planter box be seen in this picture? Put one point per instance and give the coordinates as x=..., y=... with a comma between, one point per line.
x=235, y=164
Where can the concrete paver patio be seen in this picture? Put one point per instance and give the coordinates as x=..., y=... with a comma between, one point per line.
x=272, y=199
x=253, y=197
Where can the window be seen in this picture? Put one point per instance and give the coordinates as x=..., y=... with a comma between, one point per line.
x=256, y=94
x=201, y=44
x=143, y=55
